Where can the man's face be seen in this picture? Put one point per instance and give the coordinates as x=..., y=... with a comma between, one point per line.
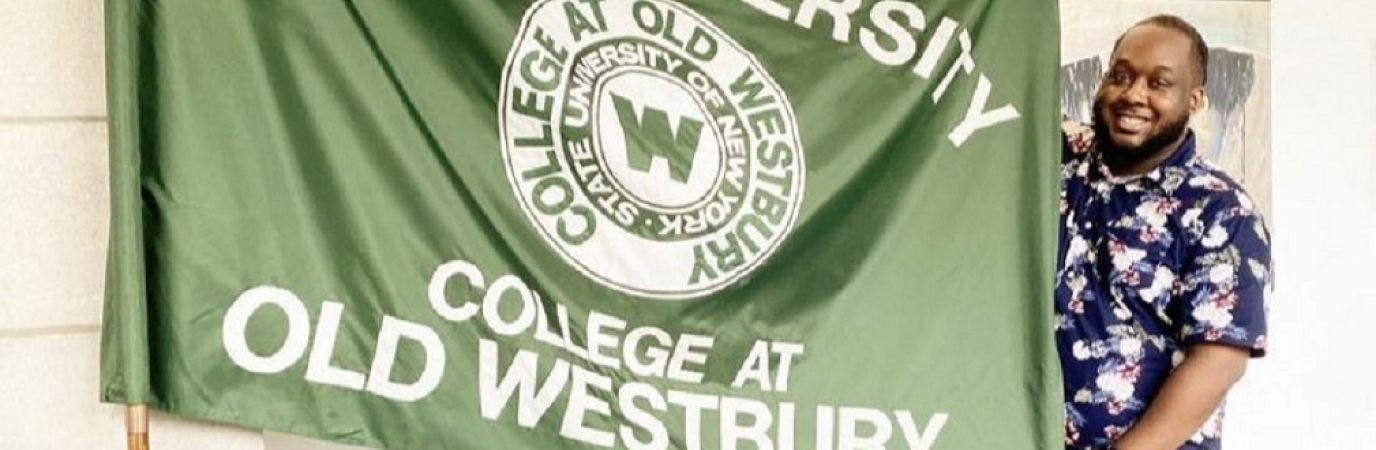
x=1145, y=101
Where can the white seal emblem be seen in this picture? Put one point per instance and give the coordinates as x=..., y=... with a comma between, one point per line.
x=656, y=155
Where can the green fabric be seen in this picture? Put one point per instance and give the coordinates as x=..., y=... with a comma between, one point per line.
x=774, y=206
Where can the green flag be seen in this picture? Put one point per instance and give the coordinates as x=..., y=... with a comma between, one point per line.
x=642, y=224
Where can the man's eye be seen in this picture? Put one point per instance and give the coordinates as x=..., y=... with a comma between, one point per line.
x=1160, y=83
x=1119, y=77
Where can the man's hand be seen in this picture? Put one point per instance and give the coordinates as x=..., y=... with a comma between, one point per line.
x=1191, y=394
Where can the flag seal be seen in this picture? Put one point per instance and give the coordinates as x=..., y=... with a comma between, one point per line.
x=647, y=146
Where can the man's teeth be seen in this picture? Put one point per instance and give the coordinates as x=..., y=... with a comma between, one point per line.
x=1130, y=123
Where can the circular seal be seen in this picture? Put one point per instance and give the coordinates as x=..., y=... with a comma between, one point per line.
x=656, y=155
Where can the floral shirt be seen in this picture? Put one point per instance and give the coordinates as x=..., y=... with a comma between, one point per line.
x=1148, y=265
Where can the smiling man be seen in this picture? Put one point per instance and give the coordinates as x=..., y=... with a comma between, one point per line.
x=1164, y=262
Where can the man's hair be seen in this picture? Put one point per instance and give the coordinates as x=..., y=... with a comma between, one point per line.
x=1199, y=49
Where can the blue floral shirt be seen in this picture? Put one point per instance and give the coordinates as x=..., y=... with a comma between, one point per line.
x=1147, y=266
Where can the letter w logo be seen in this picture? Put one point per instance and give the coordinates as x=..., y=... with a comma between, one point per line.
x=651, y=137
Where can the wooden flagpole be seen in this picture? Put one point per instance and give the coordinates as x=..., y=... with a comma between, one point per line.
x=136, y=425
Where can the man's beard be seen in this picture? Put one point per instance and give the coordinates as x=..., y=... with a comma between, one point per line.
x=1118, y=157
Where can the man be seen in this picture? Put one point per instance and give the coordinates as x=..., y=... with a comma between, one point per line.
x=1164, y=262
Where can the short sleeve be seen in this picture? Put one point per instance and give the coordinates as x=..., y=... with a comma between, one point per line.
x=1227, y=275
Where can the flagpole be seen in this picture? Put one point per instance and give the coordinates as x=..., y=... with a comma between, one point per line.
x=136, y=425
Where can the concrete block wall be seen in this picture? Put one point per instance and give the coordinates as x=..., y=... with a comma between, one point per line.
x=54, y=209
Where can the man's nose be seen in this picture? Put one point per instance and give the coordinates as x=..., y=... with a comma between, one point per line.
x=1136, y=92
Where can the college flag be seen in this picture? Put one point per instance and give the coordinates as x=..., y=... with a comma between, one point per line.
x=641, y=224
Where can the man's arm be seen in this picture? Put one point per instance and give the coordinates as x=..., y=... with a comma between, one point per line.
x=1191, y=394
x=1220, y=319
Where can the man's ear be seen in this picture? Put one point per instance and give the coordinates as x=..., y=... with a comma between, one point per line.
x=1197, y=100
